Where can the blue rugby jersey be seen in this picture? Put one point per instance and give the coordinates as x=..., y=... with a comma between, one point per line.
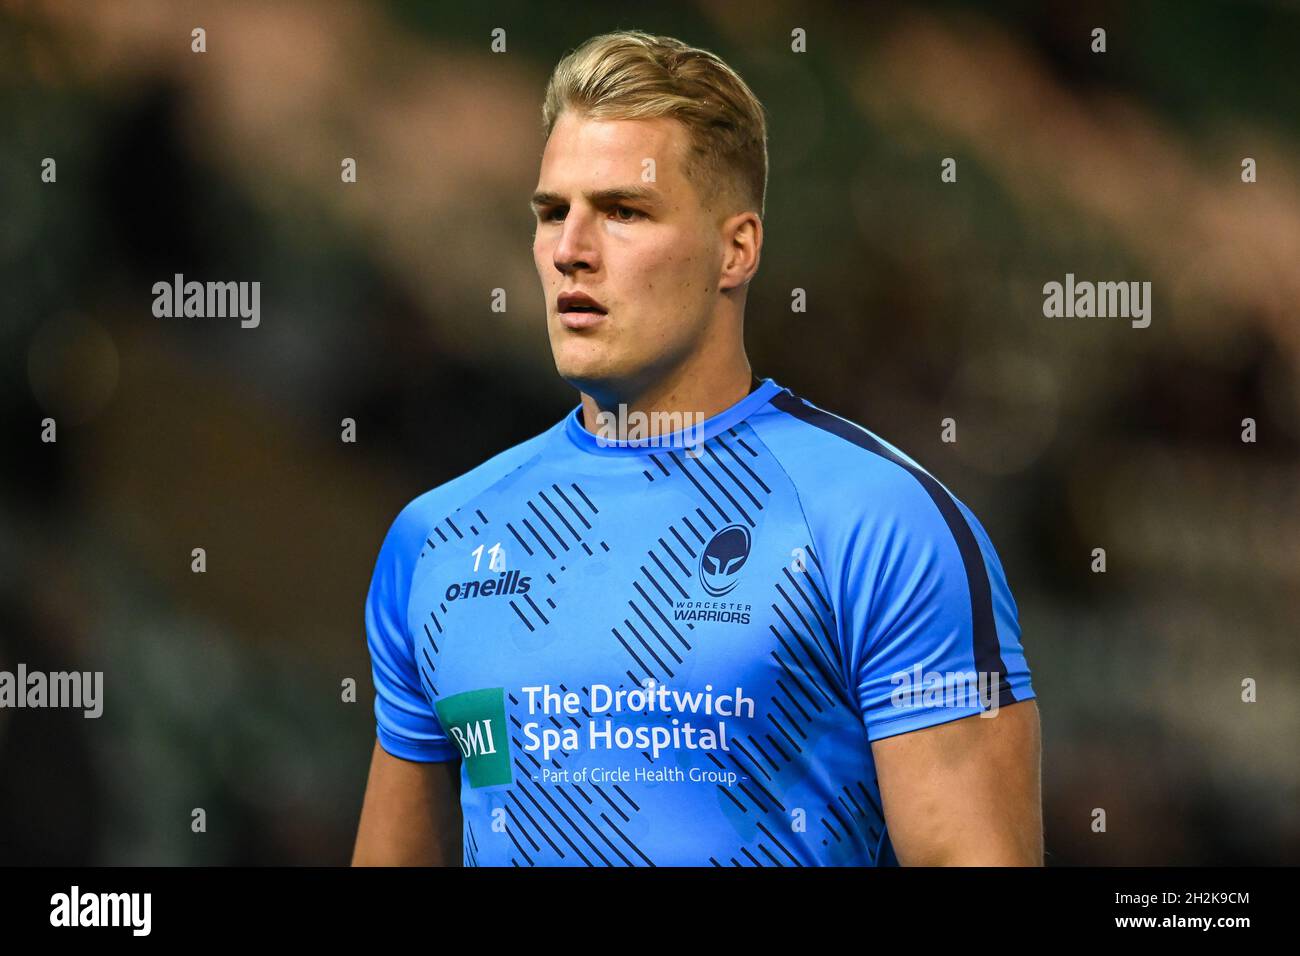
x=678, y=651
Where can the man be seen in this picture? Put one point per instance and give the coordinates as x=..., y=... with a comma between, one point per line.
x=699, y=621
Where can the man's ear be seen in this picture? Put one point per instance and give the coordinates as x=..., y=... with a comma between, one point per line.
x=742, y=236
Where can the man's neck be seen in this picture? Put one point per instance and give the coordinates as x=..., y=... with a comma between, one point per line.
x=695, y=399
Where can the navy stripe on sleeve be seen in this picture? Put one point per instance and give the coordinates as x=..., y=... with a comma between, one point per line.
x=987, y=650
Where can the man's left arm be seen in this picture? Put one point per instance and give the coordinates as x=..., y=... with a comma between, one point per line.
x=966, y=792
x=931, y=637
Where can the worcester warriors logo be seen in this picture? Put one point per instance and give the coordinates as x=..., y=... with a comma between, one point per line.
x=723, y=557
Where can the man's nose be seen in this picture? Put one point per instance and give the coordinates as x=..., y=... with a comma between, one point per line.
x=577, y=246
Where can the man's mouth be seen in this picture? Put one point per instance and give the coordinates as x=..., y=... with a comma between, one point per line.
x=578, y=302
x=578, y=310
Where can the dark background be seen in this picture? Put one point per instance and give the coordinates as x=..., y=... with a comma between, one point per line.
x=222, y=689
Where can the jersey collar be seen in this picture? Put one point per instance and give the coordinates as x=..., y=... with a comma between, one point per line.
x=679, y=440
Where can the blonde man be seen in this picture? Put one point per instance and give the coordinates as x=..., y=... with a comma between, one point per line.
x=699, y=621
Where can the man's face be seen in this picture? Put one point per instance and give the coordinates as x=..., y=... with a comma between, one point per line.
x=648, y=252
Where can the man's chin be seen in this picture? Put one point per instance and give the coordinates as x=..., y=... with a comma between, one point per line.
x=584, y=363
x=594, y=377
x=586, y=380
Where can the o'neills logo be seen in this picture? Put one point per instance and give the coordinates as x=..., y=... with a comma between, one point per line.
x=509, y=583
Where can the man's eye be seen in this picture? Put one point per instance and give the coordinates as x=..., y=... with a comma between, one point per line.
x=621, y=214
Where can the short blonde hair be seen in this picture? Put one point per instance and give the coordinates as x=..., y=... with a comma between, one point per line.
x=634, y=75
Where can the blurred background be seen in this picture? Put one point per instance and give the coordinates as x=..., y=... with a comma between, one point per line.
x=222, y=689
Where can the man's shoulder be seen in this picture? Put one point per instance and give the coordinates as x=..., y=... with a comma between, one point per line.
x=838, y=466
x=863, y=498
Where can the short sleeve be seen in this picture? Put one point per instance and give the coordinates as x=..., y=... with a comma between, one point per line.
x=935, y=634
x=405, y=721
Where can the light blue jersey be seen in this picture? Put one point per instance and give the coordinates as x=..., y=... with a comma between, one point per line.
x=678, y=653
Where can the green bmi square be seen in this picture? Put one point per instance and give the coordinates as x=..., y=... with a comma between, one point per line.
x=476, y=722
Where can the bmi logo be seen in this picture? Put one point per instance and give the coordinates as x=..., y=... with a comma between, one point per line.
x=723, y=557
x=476, y=721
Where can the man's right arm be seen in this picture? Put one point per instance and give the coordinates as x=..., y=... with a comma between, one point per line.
x=411, y=813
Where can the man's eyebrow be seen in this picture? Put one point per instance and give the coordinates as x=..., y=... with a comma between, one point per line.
x=599, y=197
